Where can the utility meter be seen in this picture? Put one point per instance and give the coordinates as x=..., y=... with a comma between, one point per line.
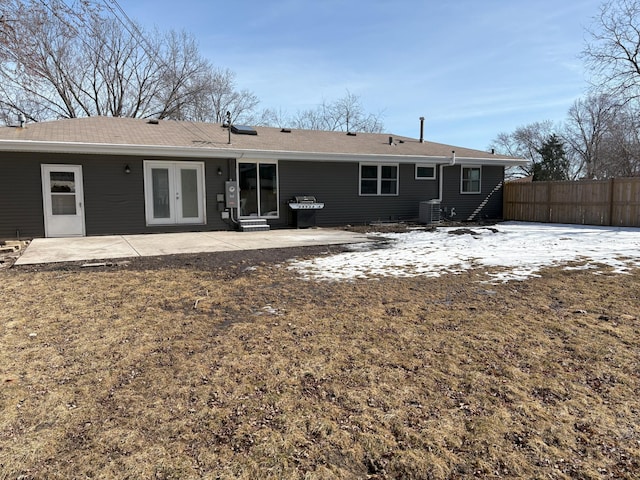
x=231, y=194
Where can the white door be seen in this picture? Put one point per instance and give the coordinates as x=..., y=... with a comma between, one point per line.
x=63, y=200
x=174, y=192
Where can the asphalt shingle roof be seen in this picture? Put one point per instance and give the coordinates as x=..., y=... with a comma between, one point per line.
x=92, y=132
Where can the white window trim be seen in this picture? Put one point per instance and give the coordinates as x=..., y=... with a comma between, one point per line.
x=379, y=179
x=425, y=165
x=259, y=162
x=462, y=192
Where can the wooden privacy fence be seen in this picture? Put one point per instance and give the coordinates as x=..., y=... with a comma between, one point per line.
x=588, y=202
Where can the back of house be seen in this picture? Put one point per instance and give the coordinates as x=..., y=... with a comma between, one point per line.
x=105, y=175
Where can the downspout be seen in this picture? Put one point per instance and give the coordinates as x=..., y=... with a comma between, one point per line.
x=451, y=163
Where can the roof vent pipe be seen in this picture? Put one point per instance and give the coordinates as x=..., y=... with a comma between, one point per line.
x=390, y=140
x=22, y=119
x=421, y=129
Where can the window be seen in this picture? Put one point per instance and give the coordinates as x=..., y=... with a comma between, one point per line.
x=425, y=172
x=258, y=189
x=378, y=179
x=470, y=182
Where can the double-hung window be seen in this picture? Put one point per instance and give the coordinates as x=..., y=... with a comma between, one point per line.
x=378, y=179
x=470, y=180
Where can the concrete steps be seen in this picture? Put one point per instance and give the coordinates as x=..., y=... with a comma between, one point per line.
x=253, y=225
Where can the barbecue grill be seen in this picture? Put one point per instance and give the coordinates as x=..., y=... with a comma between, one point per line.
x=304, y=208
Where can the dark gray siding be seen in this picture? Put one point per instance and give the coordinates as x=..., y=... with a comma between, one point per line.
x=113, y=200
x=466, y=204
x=336, y=184
x=21, y=212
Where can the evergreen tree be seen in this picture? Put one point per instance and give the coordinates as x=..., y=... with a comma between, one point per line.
x=554, y=164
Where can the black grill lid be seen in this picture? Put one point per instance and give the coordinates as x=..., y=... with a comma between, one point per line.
x=305, y=199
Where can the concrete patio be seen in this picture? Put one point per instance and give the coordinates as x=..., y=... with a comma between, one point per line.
x=50, y=250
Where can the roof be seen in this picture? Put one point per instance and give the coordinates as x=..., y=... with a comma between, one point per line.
x=133, y=136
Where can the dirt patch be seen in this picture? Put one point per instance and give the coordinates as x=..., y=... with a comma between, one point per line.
x=228, y=264
x=231, y=366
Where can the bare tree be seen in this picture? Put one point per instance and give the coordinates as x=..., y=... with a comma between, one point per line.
x=220, y=96
x=269, y=117
x=345, y=114
x=613, y=52
x=587, y=130
x=524, y=142
x=603, y=136
x=621, y=150
x=59, y=60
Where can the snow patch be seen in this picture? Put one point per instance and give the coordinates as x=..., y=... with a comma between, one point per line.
x=517, y=250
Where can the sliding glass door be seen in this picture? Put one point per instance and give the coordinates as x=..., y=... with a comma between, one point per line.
x=258, y=189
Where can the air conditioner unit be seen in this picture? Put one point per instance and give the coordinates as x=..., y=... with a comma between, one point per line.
x=429, y=212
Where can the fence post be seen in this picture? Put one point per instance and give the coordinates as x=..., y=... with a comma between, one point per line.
x=611, y=197
x=548, y=202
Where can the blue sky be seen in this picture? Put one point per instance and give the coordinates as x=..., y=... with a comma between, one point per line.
x=472, y=68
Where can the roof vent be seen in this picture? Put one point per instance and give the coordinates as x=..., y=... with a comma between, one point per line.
x=153, y=121
x=243, y=130
x=286, y=130
x=351, y=134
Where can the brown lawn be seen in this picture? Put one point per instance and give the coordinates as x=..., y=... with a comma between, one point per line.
x=189, y=368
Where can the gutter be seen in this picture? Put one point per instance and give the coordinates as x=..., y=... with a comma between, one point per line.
x=202, y=152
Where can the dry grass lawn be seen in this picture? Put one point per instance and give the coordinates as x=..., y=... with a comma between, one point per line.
x=196, y=372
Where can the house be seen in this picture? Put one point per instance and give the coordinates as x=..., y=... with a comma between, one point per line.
x=104, y=175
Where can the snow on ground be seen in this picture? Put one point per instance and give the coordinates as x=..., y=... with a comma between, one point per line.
x=513, y=251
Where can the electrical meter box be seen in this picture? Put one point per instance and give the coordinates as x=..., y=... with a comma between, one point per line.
x=231, y=194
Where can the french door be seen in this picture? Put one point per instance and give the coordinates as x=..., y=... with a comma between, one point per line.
x=63, y=197
x=174, y=192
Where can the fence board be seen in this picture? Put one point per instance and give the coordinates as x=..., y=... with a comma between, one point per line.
x=588, y=202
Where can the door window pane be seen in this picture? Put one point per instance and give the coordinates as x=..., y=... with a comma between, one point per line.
x=160, y=189
x=248, y=180
x=189, y=185
x=62, y=204
x=62, y=182
x=268, y=190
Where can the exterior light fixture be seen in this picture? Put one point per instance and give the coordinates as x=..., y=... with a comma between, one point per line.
x=127, y=169
x=219, y=171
